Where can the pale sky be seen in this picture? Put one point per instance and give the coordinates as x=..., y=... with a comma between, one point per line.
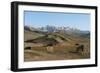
x=74, y=20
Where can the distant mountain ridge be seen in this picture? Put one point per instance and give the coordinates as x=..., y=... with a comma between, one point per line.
x=65, y=30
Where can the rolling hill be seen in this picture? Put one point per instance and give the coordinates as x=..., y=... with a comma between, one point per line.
x=63, y=44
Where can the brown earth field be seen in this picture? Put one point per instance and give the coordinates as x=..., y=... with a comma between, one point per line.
x=64, y=50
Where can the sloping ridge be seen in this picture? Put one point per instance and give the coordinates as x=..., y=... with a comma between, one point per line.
x=54, y=39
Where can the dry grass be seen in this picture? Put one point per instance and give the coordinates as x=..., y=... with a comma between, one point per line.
x=61, y=52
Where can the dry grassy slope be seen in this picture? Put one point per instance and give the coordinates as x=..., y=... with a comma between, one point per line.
x=59, y=36
x=31, y=35
x=64, y=50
